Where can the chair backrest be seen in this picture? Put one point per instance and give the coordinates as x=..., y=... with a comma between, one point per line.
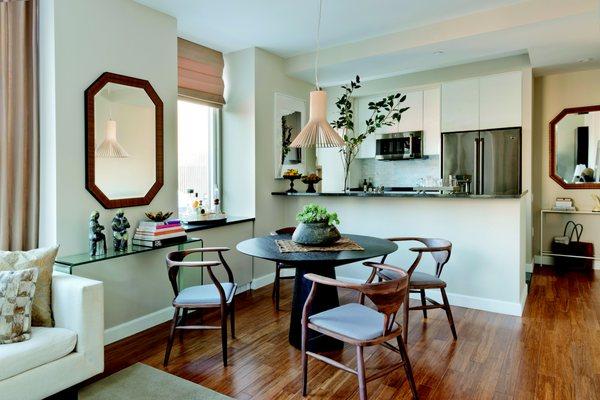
x=387, y=296
x=440, y=250
x=284, y=231
x=175, y=260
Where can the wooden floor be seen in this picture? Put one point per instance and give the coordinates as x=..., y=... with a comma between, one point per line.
x=552, y=352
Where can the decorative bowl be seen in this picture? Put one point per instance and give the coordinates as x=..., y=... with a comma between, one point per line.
x=316, y=234
x=158, y=216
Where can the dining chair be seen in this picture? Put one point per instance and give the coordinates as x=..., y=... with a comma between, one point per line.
x=279, y=266
x=359, y=325
x=215, y=295
x=440, y=250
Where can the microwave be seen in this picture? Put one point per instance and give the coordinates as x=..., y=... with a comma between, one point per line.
x=399, y=146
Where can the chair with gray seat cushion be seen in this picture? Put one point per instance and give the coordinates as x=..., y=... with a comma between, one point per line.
x=359, y=325
x=214, y=295
x=440, y=250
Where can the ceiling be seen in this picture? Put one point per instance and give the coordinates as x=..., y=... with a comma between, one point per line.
x=377, y=38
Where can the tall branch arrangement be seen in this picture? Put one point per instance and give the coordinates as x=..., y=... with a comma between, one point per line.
x=286, y=139
x=385, y=112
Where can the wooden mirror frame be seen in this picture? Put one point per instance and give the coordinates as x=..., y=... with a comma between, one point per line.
x=90, y=145
x=553, y=174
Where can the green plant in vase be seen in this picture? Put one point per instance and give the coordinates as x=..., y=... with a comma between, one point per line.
x=317, y=226
x=385, y=112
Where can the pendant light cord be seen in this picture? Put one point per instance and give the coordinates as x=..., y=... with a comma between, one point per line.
x=318, y=46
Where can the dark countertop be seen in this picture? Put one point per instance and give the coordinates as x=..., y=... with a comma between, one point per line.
x=230, y=221
x=405, y=194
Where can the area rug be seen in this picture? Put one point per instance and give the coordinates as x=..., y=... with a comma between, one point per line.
x=141, y=381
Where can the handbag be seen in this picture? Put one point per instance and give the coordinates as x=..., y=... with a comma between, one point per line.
x=570, y=244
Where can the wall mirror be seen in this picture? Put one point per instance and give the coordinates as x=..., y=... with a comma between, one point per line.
x=575, y=148
x=124, y=141
x=290, y=117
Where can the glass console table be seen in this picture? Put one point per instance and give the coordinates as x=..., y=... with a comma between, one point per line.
x=67, y=263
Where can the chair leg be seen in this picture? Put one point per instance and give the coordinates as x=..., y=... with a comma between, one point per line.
x=449, y=313
x=360, y=369
x=277, y=286
x=224, y=334
x=304, y=362
x=423, y=302
x=407, y=368
x=182, y=321
x=232, y=318
x=171, y=336
x=405, y=317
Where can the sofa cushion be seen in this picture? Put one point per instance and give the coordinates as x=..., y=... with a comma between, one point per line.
x=43, y=260
x=17, y=289
x=45, y=345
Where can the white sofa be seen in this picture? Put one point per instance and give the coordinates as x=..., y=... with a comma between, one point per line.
x=57, y=358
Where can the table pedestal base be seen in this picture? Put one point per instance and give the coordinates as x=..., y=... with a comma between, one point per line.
x=325, y=299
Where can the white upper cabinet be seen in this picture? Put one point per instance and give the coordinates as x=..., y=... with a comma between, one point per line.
x=460, y=105
x=431, y=121
x=362, y=113
x=412, y=119
x=500, y=100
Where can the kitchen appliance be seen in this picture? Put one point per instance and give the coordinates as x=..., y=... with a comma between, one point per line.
x=491, y=157
x=399, y=146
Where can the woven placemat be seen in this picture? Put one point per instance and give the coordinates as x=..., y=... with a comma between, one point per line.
x=289, y=246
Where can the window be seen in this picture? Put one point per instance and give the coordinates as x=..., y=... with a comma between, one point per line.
x=198, y=133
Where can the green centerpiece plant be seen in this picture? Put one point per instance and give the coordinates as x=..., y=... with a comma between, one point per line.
x=316, y=226
x=385, y=112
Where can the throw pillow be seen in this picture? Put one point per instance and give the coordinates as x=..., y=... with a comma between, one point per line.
x=43, y=260
x=17, y=289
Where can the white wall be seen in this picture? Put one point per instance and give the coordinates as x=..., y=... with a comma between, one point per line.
x=487, y=266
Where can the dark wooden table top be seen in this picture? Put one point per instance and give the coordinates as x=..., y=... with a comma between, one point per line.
x=266, y=248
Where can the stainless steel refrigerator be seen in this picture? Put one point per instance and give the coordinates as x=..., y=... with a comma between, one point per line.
x=492, y=158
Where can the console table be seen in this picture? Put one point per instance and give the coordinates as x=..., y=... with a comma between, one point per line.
x=549, y=252
x=67, y=263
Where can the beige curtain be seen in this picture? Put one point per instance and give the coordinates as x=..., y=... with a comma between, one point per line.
x=19, y=137
x=200, y=71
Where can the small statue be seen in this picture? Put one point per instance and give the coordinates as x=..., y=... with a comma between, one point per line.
x=119, y=228
x=95, y=235
x=597, y=207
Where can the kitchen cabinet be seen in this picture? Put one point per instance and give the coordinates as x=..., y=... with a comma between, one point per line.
x=412, y=119
x=500, y=100
x=431, y=121
x=460, y=105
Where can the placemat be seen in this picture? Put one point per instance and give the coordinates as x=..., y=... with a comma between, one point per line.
x=289, y=246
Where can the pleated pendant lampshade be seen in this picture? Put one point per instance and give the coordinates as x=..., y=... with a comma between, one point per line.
x=110, y=147
x=318, y=132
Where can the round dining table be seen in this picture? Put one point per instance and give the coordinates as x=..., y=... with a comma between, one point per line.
x=320, y=263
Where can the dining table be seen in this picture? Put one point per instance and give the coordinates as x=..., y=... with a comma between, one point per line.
x=321, y=263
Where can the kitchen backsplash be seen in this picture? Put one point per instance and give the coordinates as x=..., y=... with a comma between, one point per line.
x=397, y=173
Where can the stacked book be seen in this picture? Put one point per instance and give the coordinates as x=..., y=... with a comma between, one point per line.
x=564, y=204
x=157, y=234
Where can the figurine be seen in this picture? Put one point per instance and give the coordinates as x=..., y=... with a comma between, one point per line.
x=119, y=228
x=95, y=235
x=597, y=198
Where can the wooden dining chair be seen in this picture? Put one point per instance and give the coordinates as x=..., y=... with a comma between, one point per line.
x=360, y=325
x=215, y=295
x=440, y=250
x=279, y=266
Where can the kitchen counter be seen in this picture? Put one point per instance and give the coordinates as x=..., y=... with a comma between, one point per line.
x=404, y=194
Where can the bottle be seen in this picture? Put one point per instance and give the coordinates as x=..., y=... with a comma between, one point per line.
x=370, y=185
x=365, y=185
x=216, y=201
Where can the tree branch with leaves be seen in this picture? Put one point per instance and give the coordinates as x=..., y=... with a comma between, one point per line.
x=385, y=112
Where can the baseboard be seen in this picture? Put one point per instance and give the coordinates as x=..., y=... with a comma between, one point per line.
x=529, y=267
x=549, y=261
x=134, y=326
x=267, y=279
x=461, y=300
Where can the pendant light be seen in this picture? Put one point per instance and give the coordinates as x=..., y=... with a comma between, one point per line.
x=318, y=132
x=110, y=147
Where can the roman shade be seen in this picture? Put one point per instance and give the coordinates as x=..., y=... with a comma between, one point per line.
x=200, y=71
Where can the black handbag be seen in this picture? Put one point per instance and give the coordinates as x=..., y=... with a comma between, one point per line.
x=574, y=247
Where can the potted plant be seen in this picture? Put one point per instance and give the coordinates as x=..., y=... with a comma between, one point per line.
x=384, y=113
x=317, y=226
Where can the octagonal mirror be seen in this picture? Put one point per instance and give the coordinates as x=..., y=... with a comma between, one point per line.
x=124, y=141
x=575, y=148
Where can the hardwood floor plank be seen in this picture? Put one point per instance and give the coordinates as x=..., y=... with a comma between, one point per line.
x=552, y=352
